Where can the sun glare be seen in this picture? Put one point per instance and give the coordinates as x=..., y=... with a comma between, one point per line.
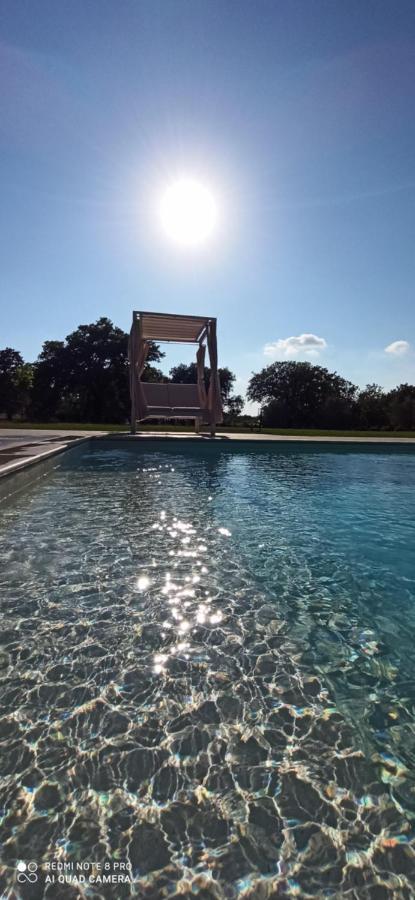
x=188, y=213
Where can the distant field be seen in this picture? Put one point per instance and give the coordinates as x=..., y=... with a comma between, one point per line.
x=300, y=432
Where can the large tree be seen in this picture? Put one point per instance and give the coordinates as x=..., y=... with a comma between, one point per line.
x=85, y=377
x=234, y=407
x=401, y=407
x=298, y=394
x=372, y=409
x=15, y=383
x=187, y=374
x=49, y=380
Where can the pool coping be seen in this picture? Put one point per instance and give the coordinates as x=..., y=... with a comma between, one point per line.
x=33, y=454
x=258, y=437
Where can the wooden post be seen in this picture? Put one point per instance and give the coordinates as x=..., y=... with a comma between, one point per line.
x=131, y=355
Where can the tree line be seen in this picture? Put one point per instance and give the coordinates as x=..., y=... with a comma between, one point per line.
x=85, y=379
x=302, y=395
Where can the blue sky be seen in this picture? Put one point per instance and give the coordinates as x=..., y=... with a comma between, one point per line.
x=300, y=118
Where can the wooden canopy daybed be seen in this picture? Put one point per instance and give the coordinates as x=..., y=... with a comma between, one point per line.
x=174, y=401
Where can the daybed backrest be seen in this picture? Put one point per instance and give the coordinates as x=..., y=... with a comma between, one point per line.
x=156, y=394
x=171, y=396
x=182, y=395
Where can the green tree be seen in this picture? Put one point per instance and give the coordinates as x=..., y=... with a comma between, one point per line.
x=372, y=409
x=85, y=378
x=49, y=379
x=234, y=407
x=24, y=385
x=15, y=382
x=187, y=374
x=401, y=407
x=299, y=394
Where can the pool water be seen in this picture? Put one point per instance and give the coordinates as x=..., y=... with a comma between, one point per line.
x=208, y=670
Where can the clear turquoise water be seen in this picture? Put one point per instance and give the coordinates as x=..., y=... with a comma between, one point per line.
x=208, y=670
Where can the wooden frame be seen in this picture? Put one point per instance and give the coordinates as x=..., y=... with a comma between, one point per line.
x=177, y=329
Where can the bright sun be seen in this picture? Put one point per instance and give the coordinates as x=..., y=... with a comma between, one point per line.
x=188, y=212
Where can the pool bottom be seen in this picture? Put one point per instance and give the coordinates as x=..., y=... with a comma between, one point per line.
x=161, y=712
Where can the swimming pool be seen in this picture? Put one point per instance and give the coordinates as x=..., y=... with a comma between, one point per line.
x=208, y=670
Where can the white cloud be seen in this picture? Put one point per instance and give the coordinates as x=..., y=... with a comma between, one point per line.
x=398, y=348
x=303, y=344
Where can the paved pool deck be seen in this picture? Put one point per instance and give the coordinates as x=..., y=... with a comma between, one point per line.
x=22, y=447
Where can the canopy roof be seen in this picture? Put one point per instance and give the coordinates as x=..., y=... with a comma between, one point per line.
x=171, y=327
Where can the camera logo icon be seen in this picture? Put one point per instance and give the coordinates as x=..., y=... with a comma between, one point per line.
x=27, y=872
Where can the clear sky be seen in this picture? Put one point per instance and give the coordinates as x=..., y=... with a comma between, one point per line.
x=298, y=115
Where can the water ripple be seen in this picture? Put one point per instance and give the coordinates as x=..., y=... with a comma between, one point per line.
x=191, y=681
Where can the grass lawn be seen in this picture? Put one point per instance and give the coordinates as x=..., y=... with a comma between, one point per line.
x=62, y=426
x=301, y=432
x=327, y=432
